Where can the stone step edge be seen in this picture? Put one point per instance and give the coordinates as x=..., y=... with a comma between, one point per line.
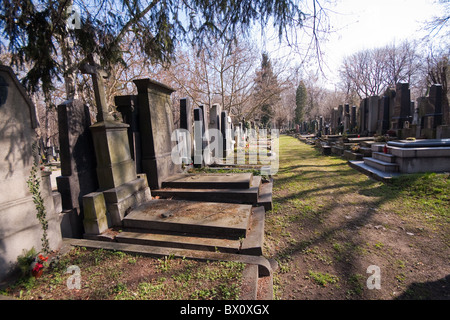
x=265, y=266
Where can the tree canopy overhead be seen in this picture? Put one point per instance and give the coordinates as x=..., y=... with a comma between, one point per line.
x=36, y=31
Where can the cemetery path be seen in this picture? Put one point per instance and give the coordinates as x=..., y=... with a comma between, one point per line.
x=335, y=232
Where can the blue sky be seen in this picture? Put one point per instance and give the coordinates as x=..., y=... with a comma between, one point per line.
x=363, y=24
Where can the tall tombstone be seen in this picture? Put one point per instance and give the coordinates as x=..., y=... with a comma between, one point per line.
x=353, y=122
x=321, y=130
x=78, y=164
x=214, y=116
x=199, y=143
x=19, y=227
x=435, y=97
x=156, y=125
x=372, y=117
x=334, y=121
x=402, y=105
x=120, y=188
x=186, y=121
x=363, y=116
x=346, y=118
x=206, y=137
x=226, y=133
x=128, y=107
x=340, y=115
x=383, y=115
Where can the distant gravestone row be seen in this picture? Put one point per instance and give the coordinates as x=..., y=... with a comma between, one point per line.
x=393, y=113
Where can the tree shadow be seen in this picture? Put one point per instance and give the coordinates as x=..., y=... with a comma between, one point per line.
x=432, y=290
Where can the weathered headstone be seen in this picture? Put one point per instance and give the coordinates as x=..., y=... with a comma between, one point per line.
x=383, y=115
x=19, y=227
x=372, y=115
x=78, y=163
x=363, y=115
x=186, y=125
x=156, y=126
x=226, y=134
x=120, y=188
x=353, y=122
x=346, y=118
x=402, y=105
x=199, y=143
x=127, y=106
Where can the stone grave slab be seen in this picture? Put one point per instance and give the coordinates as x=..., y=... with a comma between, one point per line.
x=229, y=195
x=210, y=180
x=207, y=218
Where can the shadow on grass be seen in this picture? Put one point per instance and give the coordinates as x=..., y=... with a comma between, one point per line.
x=339, y=182
x=432, y=290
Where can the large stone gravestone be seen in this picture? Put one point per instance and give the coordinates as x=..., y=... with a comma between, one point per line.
x=156, y=125
x=127, y=106
x=372, y=117
x=120, y=188
x=402, y=106
x=186, y=124
x=78, y=163
x=19, y=227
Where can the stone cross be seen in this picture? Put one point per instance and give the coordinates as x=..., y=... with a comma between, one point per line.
x=98, y=75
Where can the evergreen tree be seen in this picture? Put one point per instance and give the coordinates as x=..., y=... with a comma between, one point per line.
x=300, y=102
x=267, y=90
x=36, y=31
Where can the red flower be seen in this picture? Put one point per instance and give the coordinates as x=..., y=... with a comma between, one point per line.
x=42, y=258
x=37, y=267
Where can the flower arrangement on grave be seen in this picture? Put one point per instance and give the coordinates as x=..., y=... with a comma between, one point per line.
x=38, y=265
x=355, y=147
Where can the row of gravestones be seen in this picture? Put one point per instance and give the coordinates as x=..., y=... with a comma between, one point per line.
x=148, y=132
x=393, y=113
x=109, y=166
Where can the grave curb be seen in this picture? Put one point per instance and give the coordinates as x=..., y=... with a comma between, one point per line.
x=264, y=266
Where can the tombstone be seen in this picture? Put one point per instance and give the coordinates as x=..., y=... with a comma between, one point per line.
x=334, y=123
x=402, y=106
x=199, y=143
x=78, y=163
x=340, y=115
x=214, y=116
x=186, y=124
x=372, y=117
x=346, y=118
x=156, y=126
x=120, y=188
x=353, y=119
x=363, y=116
x=128, y=107
x=435, y=97
x=207, y=156
x=226, y=134
x=19, y=227
x=383, y=115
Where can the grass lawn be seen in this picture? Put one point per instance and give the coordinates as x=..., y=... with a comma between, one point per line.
x=334, y=232
x=330, y=223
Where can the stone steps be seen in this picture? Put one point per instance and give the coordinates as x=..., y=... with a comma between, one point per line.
x=251, y=244
x=227, y=220
x=258, y=194
x=209, y=181
x=386, y=157
x=381, y=165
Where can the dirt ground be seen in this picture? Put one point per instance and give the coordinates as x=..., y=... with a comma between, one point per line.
x=339, y=235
